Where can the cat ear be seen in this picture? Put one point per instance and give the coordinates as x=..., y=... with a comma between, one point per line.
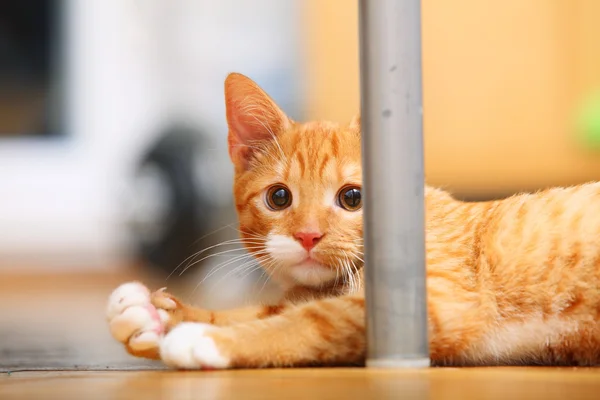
x=355, y=123
x=252, y=116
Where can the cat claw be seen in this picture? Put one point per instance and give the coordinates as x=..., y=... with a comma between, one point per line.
x=163, y=300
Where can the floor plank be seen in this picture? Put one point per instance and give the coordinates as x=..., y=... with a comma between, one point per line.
x=432, y=384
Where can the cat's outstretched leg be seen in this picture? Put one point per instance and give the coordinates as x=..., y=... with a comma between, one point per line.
x=329, y=331
x=139, y=318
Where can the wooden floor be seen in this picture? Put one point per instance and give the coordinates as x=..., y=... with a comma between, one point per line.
x=56, y=322
x=433, y=384
x=54, y=343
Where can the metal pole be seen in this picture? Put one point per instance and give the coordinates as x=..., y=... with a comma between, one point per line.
x=392, y=140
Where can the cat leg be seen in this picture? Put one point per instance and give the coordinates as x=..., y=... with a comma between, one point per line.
x=139, y=319
x=323, y=332
x=181, y=312
x=327, y=332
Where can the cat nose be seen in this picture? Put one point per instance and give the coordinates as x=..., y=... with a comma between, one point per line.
x=308, y=239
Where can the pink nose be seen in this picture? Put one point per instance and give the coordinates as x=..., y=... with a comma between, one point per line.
x=308, y=239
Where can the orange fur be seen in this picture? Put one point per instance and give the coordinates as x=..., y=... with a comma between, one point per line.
x=515, y=281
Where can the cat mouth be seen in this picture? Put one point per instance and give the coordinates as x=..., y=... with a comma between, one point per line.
x=312, y=261
x=308, y=258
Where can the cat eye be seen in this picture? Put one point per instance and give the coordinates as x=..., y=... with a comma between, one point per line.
x=278, y=197
x=349, y=198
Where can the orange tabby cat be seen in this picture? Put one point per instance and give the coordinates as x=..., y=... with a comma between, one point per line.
x=515, y=281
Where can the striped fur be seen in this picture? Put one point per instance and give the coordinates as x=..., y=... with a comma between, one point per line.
x=515, y=281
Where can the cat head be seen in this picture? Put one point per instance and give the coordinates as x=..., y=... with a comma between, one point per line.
x=297, y=188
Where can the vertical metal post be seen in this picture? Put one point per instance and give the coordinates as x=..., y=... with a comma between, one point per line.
x=392, y=140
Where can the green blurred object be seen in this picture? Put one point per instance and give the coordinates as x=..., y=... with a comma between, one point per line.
x=589, y=122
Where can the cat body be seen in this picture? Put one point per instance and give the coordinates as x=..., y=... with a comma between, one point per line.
x=509, y=282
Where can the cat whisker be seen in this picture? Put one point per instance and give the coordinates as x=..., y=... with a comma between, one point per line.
x=263, y=264
x=244, y=263
x=267, y=276
x=240, y=268
x=357, y=276
x=357, y=256
x=231, y=242
x=250, y=270
x=213, y=232
x=350, y=275
x=225, y=264
x=353, y=272
x=219, y=254
x=250, y=266
x=337, y=276
x=247, y=231
x=252, y=234
x=224, y=243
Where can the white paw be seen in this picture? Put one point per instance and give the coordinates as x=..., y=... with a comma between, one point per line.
x=188, y=347
x=132, y=317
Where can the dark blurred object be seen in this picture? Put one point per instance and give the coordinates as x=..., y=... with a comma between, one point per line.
x=30, y=41
x=169, y=211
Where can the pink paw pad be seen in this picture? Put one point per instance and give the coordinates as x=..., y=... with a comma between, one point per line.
x=159, y=329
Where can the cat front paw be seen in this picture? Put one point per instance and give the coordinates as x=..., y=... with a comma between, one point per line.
x=194, y=346
x=135, y=321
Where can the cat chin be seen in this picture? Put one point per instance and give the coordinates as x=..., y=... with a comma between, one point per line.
x=311, y=273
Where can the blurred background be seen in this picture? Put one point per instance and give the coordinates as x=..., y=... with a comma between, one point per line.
x=113, y=158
